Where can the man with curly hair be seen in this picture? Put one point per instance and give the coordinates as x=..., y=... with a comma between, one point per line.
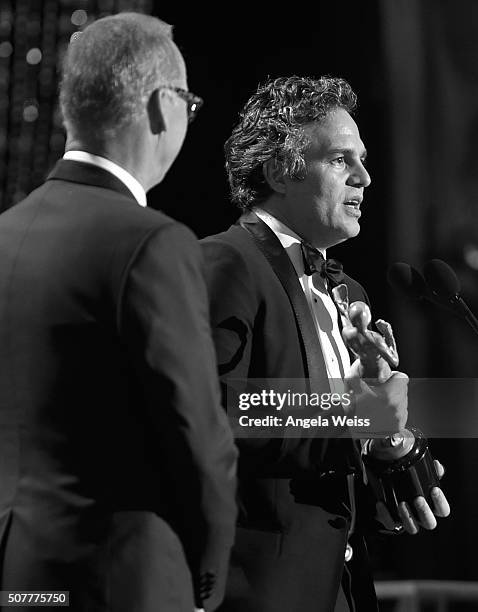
x=296, y=169
x=117, y=464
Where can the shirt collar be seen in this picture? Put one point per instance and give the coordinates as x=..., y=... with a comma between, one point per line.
x=288, y=238
x=123, y=175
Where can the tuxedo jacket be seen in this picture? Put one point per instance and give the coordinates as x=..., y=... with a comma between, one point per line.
x=117, y=465
x=294, y=503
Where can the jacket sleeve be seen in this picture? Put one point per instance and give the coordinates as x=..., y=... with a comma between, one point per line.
x=163, y=319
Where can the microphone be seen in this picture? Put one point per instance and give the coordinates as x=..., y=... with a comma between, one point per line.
x=443, y=281
x=408, y=281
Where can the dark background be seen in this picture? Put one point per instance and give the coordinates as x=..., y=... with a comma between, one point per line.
x=414, y=67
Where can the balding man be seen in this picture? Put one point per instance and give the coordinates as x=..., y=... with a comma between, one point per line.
x=117, y=466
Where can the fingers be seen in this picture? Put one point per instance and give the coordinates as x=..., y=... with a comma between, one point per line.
x=384, y=516
x=353, y=379
x=441, y=507
x=409, y=522
x=396, y=374
x=423, y=515
x=356, y=370
x=394, y=397
x=440, y=470
x=385, y=403
x=402, y=418
x=426, y=518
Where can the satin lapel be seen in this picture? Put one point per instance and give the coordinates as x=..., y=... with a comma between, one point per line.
x=267, y=242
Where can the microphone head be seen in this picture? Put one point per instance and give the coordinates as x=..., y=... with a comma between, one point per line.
x=407, y=281
x=441, y=279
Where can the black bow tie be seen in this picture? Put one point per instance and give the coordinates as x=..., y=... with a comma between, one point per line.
x=327, y=268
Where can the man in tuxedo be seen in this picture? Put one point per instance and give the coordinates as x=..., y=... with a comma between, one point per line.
x=117, y=464
x=296, y=168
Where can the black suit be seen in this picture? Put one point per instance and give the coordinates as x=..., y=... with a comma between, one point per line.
x=116, y=462
x=294, y=519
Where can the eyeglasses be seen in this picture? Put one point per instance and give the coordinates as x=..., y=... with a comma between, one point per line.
x=193, y=102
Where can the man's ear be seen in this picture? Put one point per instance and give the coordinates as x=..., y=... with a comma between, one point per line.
x=156, y=118
x=274, y=175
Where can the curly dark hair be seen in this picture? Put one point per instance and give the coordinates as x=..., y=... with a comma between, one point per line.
x=271, y=126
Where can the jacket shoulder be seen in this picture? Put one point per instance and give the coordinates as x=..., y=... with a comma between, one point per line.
x=235, y=236
x=233, y=244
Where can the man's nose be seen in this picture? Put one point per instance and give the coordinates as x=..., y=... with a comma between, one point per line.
x=360, y=177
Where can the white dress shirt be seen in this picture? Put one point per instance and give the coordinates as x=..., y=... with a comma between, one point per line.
x=322, y=307
x=123, y=175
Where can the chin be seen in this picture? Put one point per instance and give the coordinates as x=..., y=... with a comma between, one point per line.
x=344, y=234
x=352, y=230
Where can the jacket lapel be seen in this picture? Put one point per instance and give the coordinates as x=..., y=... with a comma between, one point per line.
x=268, y=243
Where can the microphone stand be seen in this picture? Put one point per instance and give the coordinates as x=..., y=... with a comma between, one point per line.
x=461, y=307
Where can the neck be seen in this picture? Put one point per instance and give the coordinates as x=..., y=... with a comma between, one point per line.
x=305, y=233
x=128, y=151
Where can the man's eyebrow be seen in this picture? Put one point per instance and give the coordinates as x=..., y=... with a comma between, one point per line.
x=347, y=151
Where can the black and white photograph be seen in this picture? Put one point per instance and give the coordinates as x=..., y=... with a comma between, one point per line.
x=238, y=306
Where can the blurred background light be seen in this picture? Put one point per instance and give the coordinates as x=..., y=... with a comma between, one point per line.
x=79, y=17
x=6, y=49
x=34, y=36
x=30, y=112
x=470, y=255
x=5, y=28
x=34, y=56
